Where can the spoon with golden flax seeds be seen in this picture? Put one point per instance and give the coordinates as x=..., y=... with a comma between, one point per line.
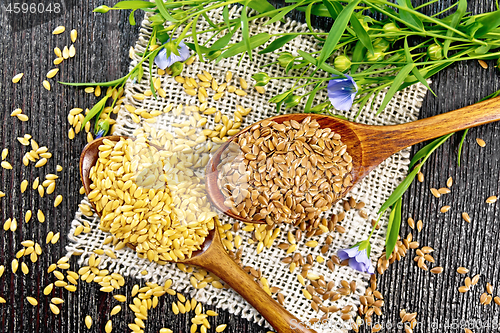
x=214, y=258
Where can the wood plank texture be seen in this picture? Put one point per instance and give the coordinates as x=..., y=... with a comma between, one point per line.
x=102, y=54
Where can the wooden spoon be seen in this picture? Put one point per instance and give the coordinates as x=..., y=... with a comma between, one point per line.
x=214, y=258
x=369, y=145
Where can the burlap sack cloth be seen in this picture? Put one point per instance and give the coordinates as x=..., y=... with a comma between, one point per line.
x=373, y=190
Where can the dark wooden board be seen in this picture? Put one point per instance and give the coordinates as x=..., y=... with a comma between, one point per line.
x=102, y=54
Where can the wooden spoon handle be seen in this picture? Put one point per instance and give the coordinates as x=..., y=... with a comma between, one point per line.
x=381, y=142
x=216, y=260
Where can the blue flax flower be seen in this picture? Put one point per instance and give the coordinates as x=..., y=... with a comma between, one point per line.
x=162, y=61
x=342, y=92
x=359, y=257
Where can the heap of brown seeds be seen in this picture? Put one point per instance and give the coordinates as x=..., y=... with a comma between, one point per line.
x=287, y=172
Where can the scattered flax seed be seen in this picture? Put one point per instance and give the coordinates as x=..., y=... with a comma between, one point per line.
x=437, y=270
x=59, y=168
x=14, y=265
x=489, y=288
x=5, y=152
x=49, y=237
x=483, y=298
x=449, y=182
x=2, y=194
x=480, y=142
x=420, y=225
x=73, y=35
x=220, y=328
x=88, y=321
x=46, y=84
x=47, y=290
x=466, y=217
x=72, y=52
x=444, y=190
x=496, y=299
x=462, y=270
x=420, y=177
x=55, y=310
x=483, y=63
x=2, y=269
x=32, y=301
x=466, y=330
x=463, y=289
x=40, y=216
x=435, y=192
x=22, y=117
x=2, y=300
x=444, y=209
x=115, y=310
x=475, y=279
x=52, y=73
x=59, y=30
x=16, y=112
x=58, y=200
x=6, y=165
x=65, y=52
x=55, y=238
x=411, y=222
x=17, y=78
x=492, y=199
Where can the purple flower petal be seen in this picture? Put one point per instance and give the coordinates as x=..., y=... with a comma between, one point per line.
x=163, y=62
x=348, y=253
x=342, y=92
x=358, y=260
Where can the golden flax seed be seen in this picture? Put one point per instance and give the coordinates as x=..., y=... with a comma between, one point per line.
x=17, y=77
x=480, y=142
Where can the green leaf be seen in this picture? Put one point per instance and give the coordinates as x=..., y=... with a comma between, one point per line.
x=361, y=33
x=325, y=67
x=398, y=81
x=95, y=110
x=157, y=19
x=245, y=31
x=151, y=62
x=261, y=6
x=225, y=15
x=255, y=41
x=415, y=70
x=409, y=17
x=428, y=149
x=203, y=49
x=224, y=40
x=358, y=54
x=164, y=12
x=134, y=4
x=194, y=35
x=316, y=10
x=336, y=32
x=131, y=18
x=93, y=84
x=461, y=145
x=334, y=8
x=455, y=20
x=309, y=23
x=311, y=97
x=488, y=23
x=391, y=237
x=140, y=73
x=400, y=190
x=277, y=43
x=280, y=98
x=283, y=11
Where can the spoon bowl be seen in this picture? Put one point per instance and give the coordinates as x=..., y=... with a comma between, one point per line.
x=213, y=257
x=368, y=145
